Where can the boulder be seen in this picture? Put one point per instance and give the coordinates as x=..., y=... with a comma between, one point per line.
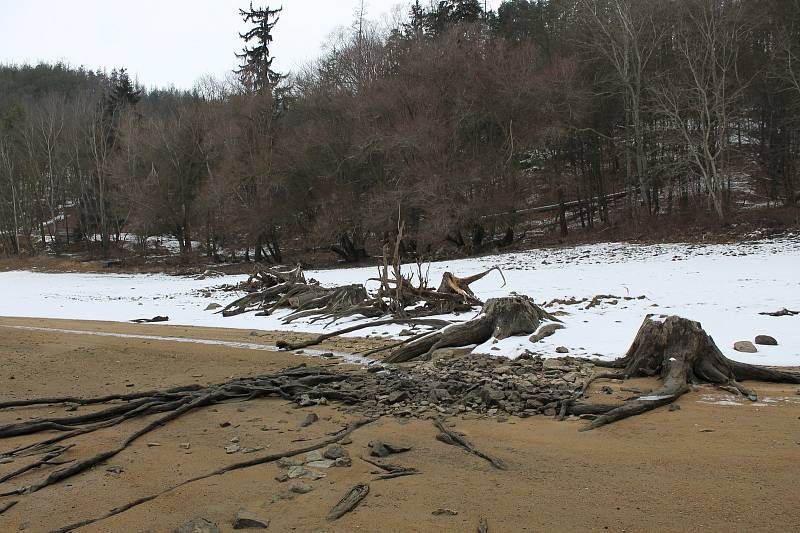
x=745, y=347
x=766, y=340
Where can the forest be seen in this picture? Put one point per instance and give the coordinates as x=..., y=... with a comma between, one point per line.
x=477, y=129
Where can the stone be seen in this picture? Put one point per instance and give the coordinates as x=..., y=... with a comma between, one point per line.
x=745, y=346
x=397, y=396
x=301, y=488
x=674, y=407
x=766, y=340
x=233, y=448
x=281, y=478
x=325, y=463
x=335, y=451
x=570, y=377
x=553, y=364
x=248, y=520
x=315, y=455
x=562, y=349
x=444, y=512
x=343, y=462
x=212, y=306
x=310, y=419
x=296, y=472
x=545, y=331
x=198, y=525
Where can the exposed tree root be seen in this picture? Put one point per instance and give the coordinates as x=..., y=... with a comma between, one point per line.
x=680, y=352
x=500, y=318
x=221, y=471
x=456, y=439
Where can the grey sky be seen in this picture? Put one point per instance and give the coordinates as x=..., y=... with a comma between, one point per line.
x=167, y=42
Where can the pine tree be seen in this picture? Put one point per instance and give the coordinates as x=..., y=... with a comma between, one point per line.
x=123, y=91
x=256, y=69
x=415, y=27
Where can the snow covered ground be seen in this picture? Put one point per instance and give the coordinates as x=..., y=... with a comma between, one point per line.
x=722, y=286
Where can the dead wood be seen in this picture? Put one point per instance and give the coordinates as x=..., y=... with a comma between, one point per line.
x=680, y=352
x=283, y=345
x=500, y=318
x=451, y=437
x=349, y=502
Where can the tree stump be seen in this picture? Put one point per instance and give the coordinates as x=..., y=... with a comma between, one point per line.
x=680, y=352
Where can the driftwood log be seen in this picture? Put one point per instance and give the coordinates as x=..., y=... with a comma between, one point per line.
x=680, y=352
x=500, y=318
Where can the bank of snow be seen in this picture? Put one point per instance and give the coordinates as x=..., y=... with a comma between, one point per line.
x=725, y=287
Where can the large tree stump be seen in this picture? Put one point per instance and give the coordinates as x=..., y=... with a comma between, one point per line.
x=680, y=352
x=500, y=318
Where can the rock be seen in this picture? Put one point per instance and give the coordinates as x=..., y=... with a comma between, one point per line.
x=766, y=340
x=310, y=419
x=296, y=472
x=335, y=451
x=153, y=444
x=444, y=512
x=545, y=331
x=283, y=495
x=281, y=478
x=570, y=377
x=233, y=448
x=198, y=525
x=315, y=455
x=212, y=306
x=288, y=462
x=313, y=474
x=397, y=396
x=301, y=488
x=248, y=520
x=745, y=346
x=562, y=349
x=343, y=462
x=553, y=364
x=674, y=407
x=605, y=389
x=384, y=449
x=325, y=463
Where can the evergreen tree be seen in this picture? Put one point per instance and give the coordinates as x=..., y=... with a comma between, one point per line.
x=415, y=27
x=256, y=69
x=123, y=92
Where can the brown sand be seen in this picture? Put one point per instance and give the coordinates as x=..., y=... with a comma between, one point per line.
x=657, y=472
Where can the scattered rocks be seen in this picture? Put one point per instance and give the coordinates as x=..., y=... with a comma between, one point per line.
x=766, y=340
x=248, y=520
x=745, y=347
x=198, y=525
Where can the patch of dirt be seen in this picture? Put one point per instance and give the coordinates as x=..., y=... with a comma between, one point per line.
x=706, y=466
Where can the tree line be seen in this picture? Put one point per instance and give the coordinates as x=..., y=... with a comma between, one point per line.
x=457, y=121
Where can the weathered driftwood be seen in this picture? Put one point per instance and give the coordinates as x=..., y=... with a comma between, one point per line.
x=349, y=502
x=500, y=318
x=680, y=352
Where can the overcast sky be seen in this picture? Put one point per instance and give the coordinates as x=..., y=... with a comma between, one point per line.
x=167, y=42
